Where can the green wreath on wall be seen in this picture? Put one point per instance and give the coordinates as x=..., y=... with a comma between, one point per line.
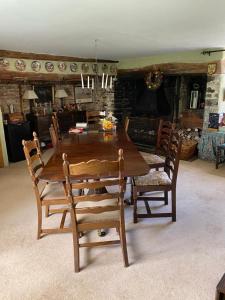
x=154, y=79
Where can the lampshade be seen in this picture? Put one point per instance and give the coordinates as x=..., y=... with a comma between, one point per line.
x=30, y=94
x=61, y=93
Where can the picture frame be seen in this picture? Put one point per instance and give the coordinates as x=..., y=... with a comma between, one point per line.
x=83, y=95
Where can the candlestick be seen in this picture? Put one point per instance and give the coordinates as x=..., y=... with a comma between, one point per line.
x=106, y=81
x=110, y=86
x=88, y=84
x=82, y=80
x=103, y=80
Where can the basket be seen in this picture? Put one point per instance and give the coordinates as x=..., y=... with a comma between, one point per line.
x=188, y=149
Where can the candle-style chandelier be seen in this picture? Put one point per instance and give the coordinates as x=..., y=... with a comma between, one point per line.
x=101, y=80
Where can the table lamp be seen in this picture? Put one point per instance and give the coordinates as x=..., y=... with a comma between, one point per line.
x=61, y=94
x=30, y=95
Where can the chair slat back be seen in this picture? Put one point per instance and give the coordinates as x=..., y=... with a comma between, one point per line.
x=94, y=167
x=95, y=174
x=163, y=136
x=173, y=156
x=93, y=117
x=33, y=157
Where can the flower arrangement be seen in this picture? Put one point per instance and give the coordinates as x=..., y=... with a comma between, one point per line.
x=107, y=125
x=109, y=122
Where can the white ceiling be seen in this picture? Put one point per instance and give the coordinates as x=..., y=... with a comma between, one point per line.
x=124, y=28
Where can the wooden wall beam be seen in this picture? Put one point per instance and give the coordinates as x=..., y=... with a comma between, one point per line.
x=173, y=68
x=24, y=55
x=14, y=76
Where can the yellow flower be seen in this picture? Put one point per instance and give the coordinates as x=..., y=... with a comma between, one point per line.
x=106, y=124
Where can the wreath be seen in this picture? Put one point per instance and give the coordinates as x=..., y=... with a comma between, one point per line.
x=154, y=80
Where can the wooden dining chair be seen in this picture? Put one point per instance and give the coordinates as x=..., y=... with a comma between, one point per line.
x=159, y=181
x=93, y=117
x=55, y=124
x=47, y=194
x=96, y=211
x=157, y=160
x=126, y=124
x=53, y=136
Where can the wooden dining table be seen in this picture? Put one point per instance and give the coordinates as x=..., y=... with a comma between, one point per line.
x=94, y=145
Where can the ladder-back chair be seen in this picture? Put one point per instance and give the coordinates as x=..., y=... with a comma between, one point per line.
x=53, y=136
x=126, y=124
x=96, y=211
x=159, y=181
x=93, y=117
x=163, y=136
x=55, y=124
x=49, y=193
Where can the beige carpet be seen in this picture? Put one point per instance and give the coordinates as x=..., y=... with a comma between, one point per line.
x=182, y=260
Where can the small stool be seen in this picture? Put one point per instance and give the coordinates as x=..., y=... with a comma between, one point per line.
x=219, y=155
x=220, y=289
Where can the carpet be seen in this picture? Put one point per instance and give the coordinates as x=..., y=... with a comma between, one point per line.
x=179, y=261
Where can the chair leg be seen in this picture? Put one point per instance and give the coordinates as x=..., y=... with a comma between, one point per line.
x=76, y=254
x=173, y=196
x=47, y=211
x=75, y=242
x=39, y=211
x=132, y=193
x=166, y=197
x=123, y=243
x=63, y=219
x=135, y=219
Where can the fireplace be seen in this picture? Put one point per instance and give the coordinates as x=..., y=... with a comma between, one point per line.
x=152, y=103
x=146, y=107
x=133, y=98
x=143, y=131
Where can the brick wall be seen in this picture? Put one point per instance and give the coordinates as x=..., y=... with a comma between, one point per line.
x=9, y=94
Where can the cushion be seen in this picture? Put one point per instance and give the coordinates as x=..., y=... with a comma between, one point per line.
x=153, y=178
x=106, y=216
x=53, y=190
x=152, y=158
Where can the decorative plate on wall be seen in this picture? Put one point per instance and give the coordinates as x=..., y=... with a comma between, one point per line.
x=73, y=67
x=49, y=66
x=62, y=66
x=104, y=68
x=20, y=64
x=35, y=66
x=85, y=68
x=4, y=63
x=113, y=69
x=95, y=68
